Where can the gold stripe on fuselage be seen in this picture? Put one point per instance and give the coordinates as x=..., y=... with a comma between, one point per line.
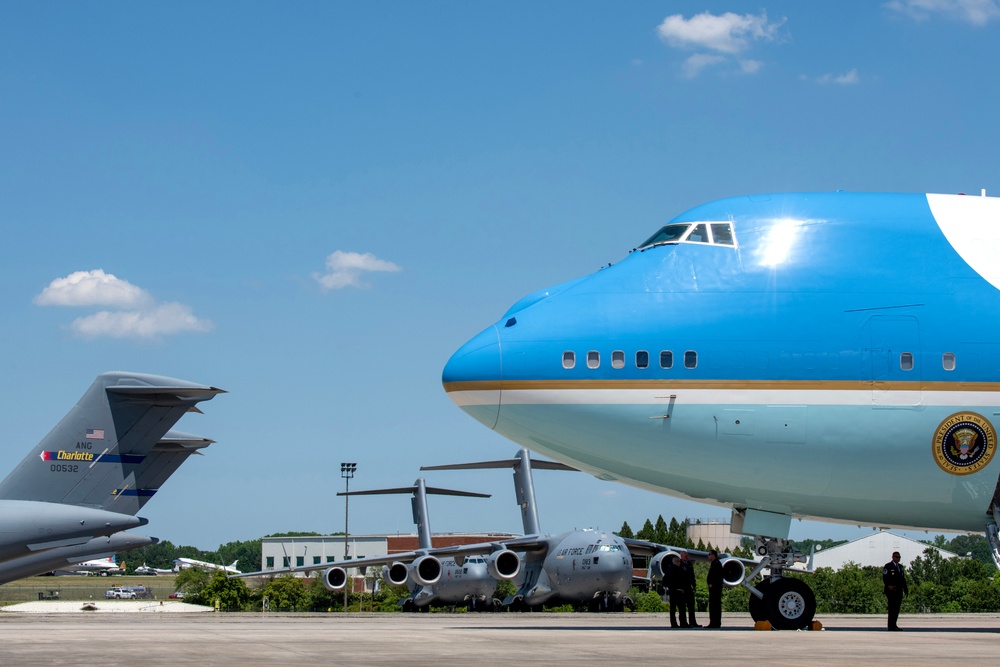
x=761, y=385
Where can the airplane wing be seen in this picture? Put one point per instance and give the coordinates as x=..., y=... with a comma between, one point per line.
x=528, y=543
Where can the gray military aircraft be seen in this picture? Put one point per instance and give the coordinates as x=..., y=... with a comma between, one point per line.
x=600, y=582
x=586, y=568
x=432, y=580
x=64, y=558
x=89, y=476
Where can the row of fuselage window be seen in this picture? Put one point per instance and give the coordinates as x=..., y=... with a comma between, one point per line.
x=593, y=359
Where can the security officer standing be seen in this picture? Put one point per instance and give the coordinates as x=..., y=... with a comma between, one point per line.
x=714, y=581
x=690, y=585
x=674, y=583
x=894, y=580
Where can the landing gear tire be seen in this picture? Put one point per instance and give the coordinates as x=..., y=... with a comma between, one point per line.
x=790, y=604
x=758, y=607
x=408, y=606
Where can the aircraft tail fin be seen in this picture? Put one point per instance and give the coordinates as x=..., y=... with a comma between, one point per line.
x=97, y=454
x=524, y=485
x=419, y=504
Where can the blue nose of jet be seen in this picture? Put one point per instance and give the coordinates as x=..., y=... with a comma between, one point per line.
x=472, y=377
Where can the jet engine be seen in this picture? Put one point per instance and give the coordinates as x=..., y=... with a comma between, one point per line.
x=733, y=571
x=396, y=573
x=658, y=564
x=334, y=578
x=503, y=564
x=426, y=570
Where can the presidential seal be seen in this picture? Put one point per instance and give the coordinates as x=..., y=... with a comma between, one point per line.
x=964, y=443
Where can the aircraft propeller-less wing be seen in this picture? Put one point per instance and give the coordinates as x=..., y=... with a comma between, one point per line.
x=435, y=576
x=91, y=474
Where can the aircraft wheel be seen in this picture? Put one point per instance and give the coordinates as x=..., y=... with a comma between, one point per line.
x=758, y=608
x=497, y=605
x=409, y=606
x=790, y=604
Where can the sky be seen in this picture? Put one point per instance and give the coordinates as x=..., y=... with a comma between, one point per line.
x=312, y=205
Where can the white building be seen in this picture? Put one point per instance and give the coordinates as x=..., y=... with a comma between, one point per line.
x=713, y=531
x=875, y=550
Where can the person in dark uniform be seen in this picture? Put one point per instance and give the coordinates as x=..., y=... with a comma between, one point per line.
x=714, y=581
x=894, y=580
x=690, y=586
x=673, y=582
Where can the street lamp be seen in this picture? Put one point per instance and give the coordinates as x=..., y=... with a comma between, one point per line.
x=347, y=472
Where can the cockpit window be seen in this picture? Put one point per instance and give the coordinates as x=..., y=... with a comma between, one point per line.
x=668, y=234
x=712, y=233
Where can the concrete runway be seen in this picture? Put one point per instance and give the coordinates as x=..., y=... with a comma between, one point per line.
x=473, y=639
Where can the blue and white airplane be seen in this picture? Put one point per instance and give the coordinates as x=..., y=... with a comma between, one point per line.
x=831, y=356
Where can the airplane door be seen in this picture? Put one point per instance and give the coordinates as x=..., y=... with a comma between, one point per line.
x=893, y=359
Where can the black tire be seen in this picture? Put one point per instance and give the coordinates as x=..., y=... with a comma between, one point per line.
x=408, y=606
x=790, y=604
x=758, y=607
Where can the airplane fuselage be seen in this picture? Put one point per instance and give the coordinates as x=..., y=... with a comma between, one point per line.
x=458, y=585
x=831, y=356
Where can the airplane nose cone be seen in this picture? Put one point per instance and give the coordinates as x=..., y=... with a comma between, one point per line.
x=472, y=377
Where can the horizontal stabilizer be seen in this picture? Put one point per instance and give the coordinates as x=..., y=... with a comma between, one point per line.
x=505, y=463
x=413, y=489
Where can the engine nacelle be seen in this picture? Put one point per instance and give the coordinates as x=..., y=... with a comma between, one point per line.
x=503, y=564
x=426, y=570
x=334, y=578
x=396, y=573
x=733, y=571
x=658, y=564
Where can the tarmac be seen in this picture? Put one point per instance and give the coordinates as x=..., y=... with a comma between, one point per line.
x=86, y=638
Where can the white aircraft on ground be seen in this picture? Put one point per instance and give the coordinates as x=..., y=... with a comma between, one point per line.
x=186, y=563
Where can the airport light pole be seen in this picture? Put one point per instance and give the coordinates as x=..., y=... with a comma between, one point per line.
x=347, y=472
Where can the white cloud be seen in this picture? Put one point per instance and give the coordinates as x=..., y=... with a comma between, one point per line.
x=750, y=66
x=846, y=79
x=976, y=12
x=160, y=320
x=728, y=33
x=138, y=315
x=344, y=269
x=92, y=288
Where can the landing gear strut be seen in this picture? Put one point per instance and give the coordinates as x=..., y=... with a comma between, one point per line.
x=787, y=604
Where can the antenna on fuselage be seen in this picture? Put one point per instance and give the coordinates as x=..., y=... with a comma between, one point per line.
x=524, y=485
x=421, y=517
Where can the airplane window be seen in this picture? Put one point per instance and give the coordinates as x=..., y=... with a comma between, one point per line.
x=690, y=359
x=722, y=233
x=948, y=361
x=666, y=359
x=617, y=359
x=569, y=359
x=906, y=361
x=642, y=359
x=593, y=359
x=699, y=234
x=668, y=234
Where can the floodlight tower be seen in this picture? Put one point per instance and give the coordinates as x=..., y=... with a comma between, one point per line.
x=347, y=472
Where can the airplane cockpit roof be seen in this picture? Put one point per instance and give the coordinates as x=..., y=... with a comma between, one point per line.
x=705, y=233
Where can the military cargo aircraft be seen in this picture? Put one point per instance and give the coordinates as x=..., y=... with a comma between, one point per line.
x=586, y=568
x=826, y=356
x=466, y=578
x=90, y=475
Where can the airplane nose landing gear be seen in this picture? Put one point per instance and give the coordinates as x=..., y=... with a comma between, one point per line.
x=787, y=604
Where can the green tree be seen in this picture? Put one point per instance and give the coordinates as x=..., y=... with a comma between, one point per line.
x=191, y=581
x=647, y=532
x=231, y=594
x=286, y=593
x=625, y=531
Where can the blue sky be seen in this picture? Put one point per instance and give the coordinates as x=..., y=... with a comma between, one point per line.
x=312, y=205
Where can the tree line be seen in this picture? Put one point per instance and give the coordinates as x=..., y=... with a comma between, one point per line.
x=969, y=583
